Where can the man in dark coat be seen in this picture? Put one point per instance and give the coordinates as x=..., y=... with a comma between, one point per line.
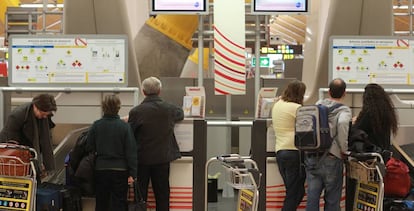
x=30, y=124
x=153, y=124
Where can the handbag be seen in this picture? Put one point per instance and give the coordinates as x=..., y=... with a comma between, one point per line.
x=397, y=182
x=135, y=199
x=86, y=168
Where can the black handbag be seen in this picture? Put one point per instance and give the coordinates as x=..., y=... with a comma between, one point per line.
x=137, y=203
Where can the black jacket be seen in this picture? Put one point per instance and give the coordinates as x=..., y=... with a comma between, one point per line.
x=153, y=124
x=112, y=140
x=381, y=139
x=22, y=125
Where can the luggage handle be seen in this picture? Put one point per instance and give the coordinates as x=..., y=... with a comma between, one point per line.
x=360, y=155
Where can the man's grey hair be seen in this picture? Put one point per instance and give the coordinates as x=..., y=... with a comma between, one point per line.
x=151, y=86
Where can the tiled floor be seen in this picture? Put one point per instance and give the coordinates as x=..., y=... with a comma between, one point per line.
x=227, y=204
x=222, y=204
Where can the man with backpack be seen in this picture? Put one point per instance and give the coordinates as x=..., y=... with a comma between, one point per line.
x=324, y=169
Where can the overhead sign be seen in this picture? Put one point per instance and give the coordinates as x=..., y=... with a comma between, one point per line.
x=282, y=49
x=264, y=62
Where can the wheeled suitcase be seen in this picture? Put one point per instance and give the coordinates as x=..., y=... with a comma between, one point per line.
x=48, y=199
x=70, y=198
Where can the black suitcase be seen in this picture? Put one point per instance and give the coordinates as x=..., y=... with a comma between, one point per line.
x=72, y=199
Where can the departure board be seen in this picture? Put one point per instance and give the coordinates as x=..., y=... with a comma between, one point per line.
x=360, y=60
x=68, y=60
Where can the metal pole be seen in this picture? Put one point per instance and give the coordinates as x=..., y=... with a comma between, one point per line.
x=410, y=4
x=257, y=55
x=44, y=15
x=200, y=50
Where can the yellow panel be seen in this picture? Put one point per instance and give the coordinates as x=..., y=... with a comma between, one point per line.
x=194, y=57
x=3, y=7
x=179, y=28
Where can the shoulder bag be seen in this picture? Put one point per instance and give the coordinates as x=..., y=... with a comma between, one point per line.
x=136, y=202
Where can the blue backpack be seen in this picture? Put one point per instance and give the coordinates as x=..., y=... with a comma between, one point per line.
x=312, y=132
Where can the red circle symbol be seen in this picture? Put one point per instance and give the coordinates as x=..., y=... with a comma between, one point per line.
x=402, y=43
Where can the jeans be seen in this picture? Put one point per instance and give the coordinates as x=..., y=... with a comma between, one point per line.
x=326, y=174
x=293, y=174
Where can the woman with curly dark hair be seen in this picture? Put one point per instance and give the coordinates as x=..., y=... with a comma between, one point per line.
x=377, y=117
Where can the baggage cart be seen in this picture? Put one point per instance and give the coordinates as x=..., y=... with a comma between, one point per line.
x=242, y=174
x=17, y=179
x=368, y=169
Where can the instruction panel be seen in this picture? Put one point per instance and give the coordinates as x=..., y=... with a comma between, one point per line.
x=382, y=60
x=75, y=60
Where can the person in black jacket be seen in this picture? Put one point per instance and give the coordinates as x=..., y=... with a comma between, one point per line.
x=30, y=124
x=113, y=142
x=153, y=124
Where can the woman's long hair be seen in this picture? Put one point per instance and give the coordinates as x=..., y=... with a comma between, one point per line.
x=294, y=92
x=377, y=105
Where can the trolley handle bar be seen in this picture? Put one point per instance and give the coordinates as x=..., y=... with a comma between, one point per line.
x=34, y=153
x=13, y=145
x=232, y=158
x=367, y=155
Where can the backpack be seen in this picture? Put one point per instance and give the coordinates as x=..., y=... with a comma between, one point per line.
x=79, y=150
x=312, y=132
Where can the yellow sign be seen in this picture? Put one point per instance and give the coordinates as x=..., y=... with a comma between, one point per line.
x=16, y=193
x=246, y=198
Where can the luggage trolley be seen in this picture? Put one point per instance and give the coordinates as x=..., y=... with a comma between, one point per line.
x=243, y=175
x=17, y=179
x=368, y=170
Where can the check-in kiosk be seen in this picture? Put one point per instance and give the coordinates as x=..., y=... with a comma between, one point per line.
x=263, y=142
x=186, y=177
x=186, y=174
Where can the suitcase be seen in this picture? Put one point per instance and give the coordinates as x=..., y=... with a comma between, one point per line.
x=70, y=198
x=48, y=199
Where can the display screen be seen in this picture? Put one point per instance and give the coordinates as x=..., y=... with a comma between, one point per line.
x=179, y=6
x=280, y=6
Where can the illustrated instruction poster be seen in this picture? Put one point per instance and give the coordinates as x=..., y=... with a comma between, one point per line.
x=74, y=60
x=362, y=60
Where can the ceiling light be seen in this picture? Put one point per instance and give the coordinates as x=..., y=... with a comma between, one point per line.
x=41, y=5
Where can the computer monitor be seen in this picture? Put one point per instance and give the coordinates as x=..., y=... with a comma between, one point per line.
x=190, y=7
x=280, y=7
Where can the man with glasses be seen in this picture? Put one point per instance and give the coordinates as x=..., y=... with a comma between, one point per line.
x=30, y=124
